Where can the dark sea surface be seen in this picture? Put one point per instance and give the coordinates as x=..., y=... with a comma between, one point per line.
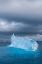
x=11, y=55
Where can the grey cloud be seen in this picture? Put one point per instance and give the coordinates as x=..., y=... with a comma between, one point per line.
x=19, y=28
x=22, y=11
x=26, y=16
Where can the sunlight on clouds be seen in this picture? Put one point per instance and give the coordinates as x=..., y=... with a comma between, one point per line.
x=6, y=26
x=10, y=26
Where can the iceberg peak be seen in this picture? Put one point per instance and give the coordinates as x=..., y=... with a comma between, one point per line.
x=24, y=43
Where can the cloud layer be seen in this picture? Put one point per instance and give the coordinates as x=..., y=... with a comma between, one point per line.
x=22, y=17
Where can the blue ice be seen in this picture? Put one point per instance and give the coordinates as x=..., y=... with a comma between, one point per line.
x=23, y=43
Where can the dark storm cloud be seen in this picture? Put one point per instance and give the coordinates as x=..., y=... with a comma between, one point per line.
x=26, y=11
x=22, y=17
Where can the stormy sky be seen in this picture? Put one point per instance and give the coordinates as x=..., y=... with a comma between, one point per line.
x=21, y=17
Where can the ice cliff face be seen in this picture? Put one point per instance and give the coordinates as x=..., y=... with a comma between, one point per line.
x=24, y=43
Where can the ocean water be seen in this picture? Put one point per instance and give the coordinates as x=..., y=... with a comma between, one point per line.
x=11, y=55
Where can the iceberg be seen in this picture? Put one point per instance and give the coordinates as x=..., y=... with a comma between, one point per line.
x=23, y=43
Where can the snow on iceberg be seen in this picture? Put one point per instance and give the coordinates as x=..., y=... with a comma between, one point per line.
x=23, y=43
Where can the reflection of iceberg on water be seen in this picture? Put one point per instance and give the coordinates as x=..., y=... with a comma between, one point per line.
x=23, y=43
